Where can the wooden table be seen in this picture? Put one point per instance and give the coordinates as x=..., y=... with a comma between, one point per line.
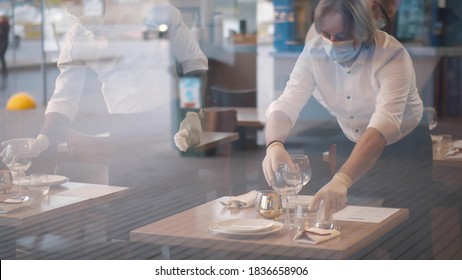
x=246, y=117
x=69, y=198
x=191, y=229
x=211, y=140
x=446, y=169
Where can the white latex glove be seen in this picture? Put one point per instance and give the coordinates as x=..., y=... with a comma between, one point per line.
x=189, y=133
x=276, y=154
x=31, y=147
x=333, y=196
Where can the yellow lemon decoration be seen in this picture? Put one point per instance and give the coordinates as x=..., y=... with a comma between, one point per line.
x=21, y=101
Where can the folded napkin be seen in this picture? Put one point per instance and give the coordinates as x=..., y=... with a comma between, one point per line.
x=454, y=155
x=241, y=201
x=315, y=235
x=457, y=144
x=10, y=207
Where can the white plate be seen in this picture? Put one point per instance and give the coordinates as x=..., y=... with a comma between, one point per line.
x=53, y=180
x=246, y=226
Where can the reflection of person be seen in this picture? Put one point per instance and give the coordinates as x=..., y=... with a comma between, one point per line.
x=4, y=34
x=365, y=78
x=127, y=69
x=132, y=73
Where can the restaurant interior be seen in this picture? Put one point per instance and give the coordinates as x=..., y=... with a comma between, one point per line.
x=140, y=197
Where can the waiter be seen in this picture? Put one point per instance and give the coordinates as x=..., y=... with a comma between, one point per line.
x=365, y=78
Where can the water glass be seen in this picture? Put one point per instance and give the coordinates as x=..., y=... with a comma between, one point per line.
x=303, y=217
x=291, y=207
x=259, y=196
x=38, y=184
x=6, y=182
x=269, y=204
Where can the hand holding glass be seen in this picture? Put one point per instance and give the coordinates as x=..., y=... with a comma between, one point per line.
x=288, y=181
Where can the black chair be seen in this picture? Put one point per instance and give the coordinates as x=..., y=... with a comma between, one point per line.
x=220, y=121
x=237, y=98
x=233, y=98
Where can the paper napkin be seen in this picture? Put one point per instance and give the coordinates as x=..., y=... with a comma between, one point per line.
x=241, y=201
x=315, y=235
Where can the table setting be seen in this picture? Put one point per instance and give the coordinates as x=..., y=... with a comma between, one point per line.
x=445, y=147
x=17, y=189
x=281, y=202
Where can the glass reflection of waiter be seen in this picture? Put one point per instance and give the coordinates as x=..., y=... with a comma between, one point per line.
x=127, y=69
x=109, y=41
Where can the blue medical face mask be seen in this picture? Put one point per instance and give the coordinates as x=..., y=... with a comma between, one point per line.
x=340, y=51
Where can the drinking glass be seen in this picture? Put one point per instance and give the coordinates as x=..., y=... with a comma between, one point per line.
x=322, y=221
x=430, y=114
x=6, y=183
x=269, y=204
x=39, y=184
x=304, y=167
x=303, y=216
x=289, y=181
x=15, y=162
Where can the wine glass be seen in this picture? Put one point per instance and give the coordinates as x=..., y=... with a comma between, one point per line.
x=6, y=183
x=268, y=204
x=289, y=181
x=430, y=114
x=15, y=162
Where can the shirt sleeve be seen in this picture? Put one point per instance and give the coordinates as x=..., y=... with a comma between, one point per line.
x=396, y=81
x=298, y=89
x=69, y=84
x=184, y=46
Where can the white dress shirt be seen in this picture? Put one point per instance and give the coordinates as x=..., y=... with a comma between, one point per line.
x=127, y=66
x=377, y=91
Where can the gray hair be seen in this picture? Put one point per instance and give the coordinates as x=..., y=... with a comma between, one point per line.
x=357, y=19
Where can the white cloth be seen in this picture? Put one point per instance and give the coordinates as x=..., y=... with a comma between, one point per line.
x=127, y=67
x=378, y=90
x=242, y=201
x=315, y=235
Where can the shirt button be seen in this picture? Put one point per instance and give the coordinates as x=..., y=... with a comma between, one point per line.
x=348, y=97
x=357, y=130
x=348, y=71
x=352, y=117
